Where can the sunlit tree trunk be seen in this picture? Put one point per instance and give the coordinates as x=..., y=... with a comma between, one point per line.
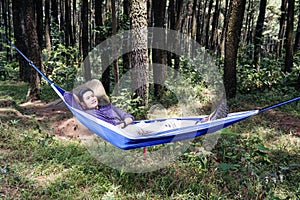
x=139, y=55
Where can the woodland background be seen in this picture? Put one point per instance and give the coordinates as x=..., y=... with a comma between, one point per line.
x=255, y=42
x=256, y=47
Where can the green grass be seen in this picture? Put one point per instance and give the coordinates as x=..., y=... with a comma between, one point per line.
x=254, y=159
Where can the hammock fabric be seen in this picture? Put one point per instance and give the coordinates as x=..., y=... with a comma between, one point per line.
x=125, y=140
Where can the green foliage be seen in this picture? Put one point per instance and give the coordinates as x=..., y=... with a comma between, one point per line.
x=61, y=65
x=105, y=31
x=268, y=75
x=11, y=66
x=125, y=102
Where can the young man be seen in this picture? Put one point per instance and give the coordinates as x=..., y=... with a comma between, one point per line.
x=102, y=109
x=105, y=111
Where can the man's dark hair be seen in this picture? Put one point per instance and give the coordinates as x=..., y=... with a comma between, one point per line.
x=82, y=92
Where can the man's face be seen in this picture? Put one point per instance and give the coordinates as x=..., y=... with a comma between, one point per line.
x=90, y=100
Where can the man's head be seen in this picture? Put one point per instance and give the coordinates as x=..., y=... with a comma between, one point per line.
x=87, y=98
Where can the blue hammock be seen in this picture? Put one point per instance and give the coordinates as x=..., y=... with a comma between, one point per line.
x=125, y=140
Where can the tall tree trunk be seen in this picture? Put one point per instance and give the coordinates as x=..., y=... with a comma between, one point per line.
x=289, y=53
x=34, y=52
x=178, y=12
x=139, y=55
x=207, y=27
x=62, y=22
x=297, y=45
x=54, y=11
x=85, y=39
x=159, y=56
x=248, y=36
x=68, y=25
x=232, y=45
x=258, y=37
x=47, y=25
x=214, y=26
x=100, y=37
x=39, y=21
x=221, y=46
x=126, y=56
x=19, y=33
x=297, y=38
x=282, y=21
x=114, y=50
x=7, y=24
x=194, y=20
x=98, y=21
x=74, y=26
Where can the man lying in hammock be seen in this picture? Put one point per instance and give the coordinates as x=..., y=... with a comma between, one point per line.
x=102, y=109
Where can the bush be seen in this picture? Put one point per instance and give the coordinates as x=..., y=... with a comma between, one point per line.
x=269, y=75
x=61, y=65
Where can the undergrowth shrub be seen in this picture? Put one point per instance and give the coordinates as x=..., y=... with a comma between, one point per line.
x=270, y=73
x=61, y=65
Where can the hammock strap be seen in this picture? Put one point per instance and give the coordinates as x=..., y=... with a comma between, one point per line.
x=27, y=60
x=279, y=104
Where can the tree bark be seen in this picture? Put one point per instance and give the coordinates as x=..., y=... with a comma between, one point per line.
x=19, y=34
x=231, y=46
x=85, y=39
x=258, y=37
x=54, y=11
x=297, y=38
x=39, y=21
x=282, y=21
x=139, y=55
x=215, y=23
x=34, y=52
x=207, y=27
x=159, y=56
x=289, y=37
x=114, y=50
x=68, y=25
x=47, y=25
x=226, y=12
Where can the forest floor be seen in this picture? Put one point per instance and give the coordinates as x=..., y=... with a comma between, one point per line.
x=55, y=114
x=64, y=125
x=42, y=158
